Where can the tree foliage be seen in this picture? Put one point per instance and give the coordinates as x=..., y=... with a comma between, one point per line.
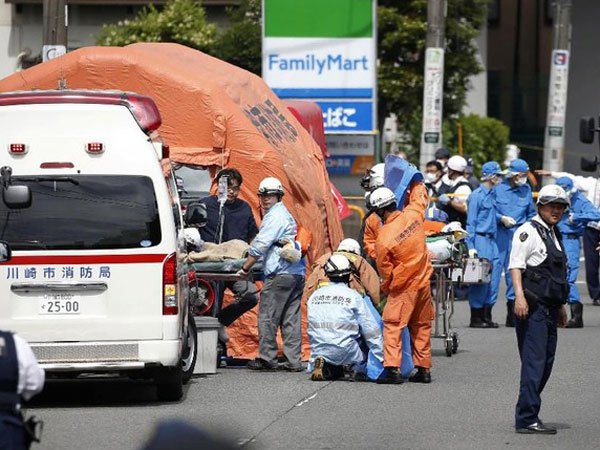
x=181, y=21
x=241, y=42
x=402, y=32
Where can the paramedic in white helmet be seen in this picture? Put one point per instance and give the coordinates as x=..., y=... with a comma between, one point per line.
x=538, y=265
x=341, y=327
x=364, y=278
x=372, y=180
x=454, y=191
x=284, y=282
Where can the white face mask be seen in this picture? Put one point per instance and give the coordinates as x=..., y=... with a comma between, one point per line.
x=521, y=181
x=431, y=177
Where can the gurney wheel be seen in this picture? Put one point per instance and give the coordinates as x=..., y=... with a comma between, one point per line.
x=454, y=342
x=449, y=346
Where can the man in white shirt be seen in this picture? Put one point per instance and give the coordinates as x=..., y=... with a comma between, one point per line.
x=20, y=379
x=538, y=265
x=590, y=186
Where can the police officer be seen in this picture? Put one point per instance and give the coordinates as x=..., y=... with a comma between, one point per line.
x=20, y=379
x=514, y=206
x=482, y=228
x=455, y=183
x=538, y=266
x=571, y=226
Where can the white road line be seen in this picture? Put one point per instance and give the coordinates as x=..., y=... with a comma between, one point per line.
x=307, y=399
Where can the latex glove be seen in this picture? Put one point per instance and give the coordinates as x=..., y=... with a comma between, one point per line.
x=571, y=219
x=289, y=253
x=472, y=253
x=444, y=199
x=508, y=222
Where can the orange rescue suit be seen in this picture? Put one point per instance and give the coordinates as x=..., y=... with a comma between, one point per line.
x=364, y=281
x=404, y=265
x=372, y=227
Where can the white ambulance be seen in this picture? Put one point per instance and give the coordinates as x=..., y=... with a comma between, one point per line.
x=97, y=281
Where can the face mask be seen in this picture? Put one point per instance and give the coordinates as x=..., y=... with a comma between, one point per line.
x=521, y=181
x=431, y=177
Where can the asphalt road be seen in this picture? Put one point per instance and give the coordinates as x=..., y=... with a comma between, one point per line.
x=469, y=405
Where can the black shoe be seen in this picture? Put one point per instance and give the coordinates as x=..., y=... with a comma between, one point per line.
x=477, y=318
x=487, y=317
x=596, y=302
x=576, y=316
x=420, y=376
x=261, y=364
x=358, y=376
x=391, y=375
x=536, y=428
x=510, y=314
x=290, y=367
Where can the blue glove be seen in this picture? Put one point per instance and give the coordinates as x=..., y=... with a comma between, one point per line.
x=444, y=199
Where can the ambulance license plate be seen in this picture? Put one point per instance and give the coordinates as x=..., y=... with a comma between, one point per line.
x=59, y=304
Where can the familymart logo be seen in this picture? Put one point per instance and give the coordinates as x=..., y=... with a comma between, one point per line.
x=316, y=63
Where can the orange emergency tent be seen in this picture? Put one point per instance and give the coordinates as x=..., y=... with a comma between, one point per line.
x=214, y=114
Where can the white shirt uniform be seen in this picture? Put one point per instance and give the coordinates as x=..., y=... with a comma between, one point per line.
x=528, y=248
x=590, y=186
x=31, y=375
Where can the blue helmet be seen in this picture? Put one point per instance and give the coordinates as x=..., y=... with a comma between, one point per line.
x=490, y=169
x=567, y=184
x=517, y=166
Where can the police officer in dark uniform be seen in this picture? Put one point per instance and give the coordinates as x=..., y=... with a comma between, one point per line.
x=538, y=266
x=20, y=379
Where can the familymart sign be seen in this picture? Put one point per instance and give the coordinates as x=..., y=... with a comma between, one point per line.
x=320, y=49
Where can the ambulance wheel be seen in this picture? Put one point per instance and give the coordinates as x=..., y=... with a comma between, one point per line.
x=190, y=351
x=169, y=384
x=448, y=346
x=454, y=342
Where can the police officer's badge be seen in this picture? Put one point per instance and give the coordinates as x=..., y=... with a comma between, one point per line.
x=523, y=236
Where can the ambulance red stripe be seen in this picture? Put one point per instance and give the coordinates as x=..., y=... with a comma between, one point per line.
x=85, y=259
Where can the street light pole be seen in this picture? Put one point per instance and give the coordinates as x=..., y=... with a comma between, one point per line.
x=433, y=86
x=55, y=29
x=554, y=136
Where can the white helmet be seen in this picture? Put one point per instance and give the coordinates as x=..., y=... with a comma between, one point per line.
x=373, y=178
x=338, y=266
x=381, y=197
x=270, y=185
x=192, y=238
x=350, y=246
x=553, y=193
x=457, y=163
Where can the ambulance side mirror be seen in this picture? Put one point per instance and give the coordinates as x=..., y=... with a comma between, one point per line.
x=5, y=252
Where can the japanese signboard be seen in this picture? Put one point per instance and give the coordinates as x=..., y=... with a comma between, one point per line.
x=554, y=139
x=324, y=51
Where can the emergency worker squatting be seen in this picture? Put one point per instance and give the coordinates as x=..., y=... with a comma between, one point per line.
x=311, y=63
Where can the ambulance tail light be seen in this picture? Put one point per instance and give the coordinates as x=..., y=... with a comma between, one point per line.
x=170, y=306
x=94, y=147
x=17, y=149
x=143, y=108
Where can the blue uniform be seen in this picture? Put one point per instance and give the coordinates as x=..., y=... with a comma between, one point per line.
x=517, y=203
x=482, y=229
x=582, y=211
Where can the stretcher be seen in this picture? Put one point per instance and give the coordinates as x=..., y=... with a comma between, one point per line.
x=205, y=282
x=451, y=265
x=448, y=252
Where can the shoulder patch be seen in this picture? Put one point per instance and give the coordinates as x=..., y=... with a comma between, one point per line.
x=523, y=236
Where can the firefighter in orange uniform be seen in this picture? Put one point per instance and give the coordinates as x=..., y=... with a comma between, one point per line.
x=405, y=267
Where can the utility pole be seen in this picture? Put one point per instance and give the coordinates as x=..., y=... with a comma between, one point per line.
x=55, y=18
x=433, y=88
x=554, y=136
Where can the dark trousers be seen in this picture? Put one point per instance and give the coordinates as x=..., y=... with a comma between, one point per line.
x=280, y=308
x=536, y=338
x=12, y=435
x=245, y=299
x=591, y=237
